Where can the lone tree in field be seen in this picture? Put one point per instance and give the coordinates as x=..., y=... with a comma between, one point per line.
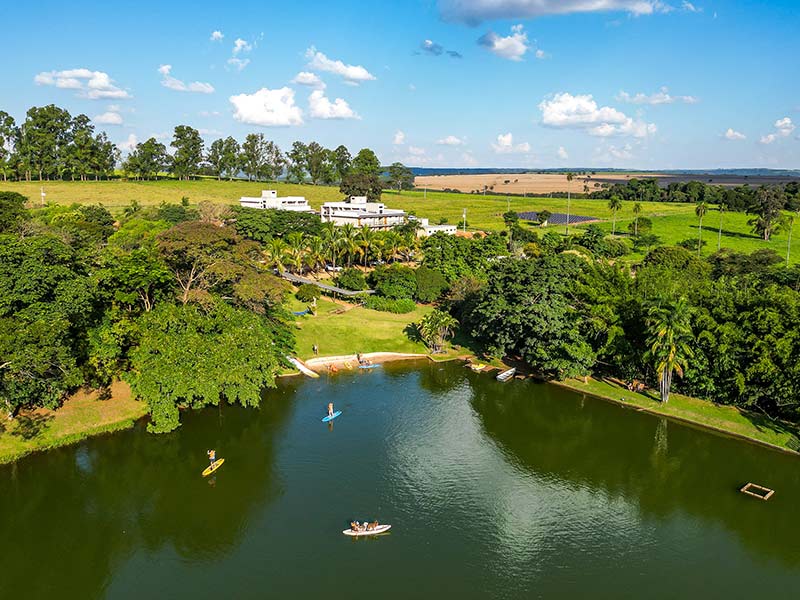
x=700, y=210
x=766, y=207
x=615, y=204
x=435, y=328
x=570, y=177
x=669, y=332
x=637, y=210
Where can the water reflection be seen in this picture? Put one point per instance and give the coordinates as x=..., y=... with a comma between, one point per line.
x=70, y=517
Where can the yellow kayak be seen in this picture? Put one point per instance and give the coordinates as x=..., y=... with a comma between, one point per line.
x=213, y=467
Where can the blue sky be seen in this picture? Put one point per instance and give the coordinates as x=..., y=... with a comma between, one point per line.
x=442, y=83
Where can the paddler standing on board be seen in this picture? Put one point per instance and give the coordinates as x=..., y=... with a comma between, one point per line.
x=330, y=409
x=212, y=456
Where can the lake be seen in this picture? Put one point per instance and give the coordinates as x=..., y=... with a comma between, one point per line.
x=513, y=490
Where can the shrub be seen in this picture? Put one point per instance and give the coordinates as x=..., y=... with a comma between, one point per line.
x=308, y=292
x=399, y=306
x=430, y=284
x=351, y=279
x=692, y=244
x=397, y=281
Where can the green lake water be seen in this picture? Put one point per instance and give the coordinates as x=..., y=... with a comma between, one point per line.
x=516, y=490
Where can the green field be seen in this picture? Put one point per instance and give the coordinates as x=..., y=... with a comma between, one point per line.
x=671, y=222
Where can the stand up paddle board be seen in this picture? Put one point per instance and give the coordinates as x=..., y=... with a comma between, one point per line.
x=213, y=467
x=331, y=417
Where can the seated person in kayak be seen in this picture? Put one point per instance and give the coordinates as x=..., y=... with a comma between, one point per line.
x=212, y=456
x=330, y=409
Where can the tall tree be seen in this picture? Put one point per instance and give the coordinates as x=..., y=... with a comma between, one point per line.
x=148, y=159
x=9, y=135
x=82, y=149
x=319, y=163
x=361, y=184
x=637, y=210
x=342, y=162
x=298, y=162
x=44, y=141
x=366, y=163
x=700, y=210
x=615, y=204
x=400, y=177
x=570, y=177
x=766, y=206
x=435, y=328
x=669, y=333
x=188, y=147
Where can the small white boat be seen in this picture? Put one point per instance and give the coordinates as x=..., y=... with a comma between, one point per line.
x=506, y=375
x=379, y=529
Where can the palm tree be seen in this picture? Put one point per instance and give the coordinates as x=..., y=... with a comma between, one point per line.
x=637, y=210
x=615, y=203
x=435, y=328
x=719, y=235
x=570, y=177
x=350, y=243
x=275, y=254
x=332, y=240
x=669, y=331
x=700, y=210
x=315, y=254
x=393, y=243
x=790, y=225
x=366, y=239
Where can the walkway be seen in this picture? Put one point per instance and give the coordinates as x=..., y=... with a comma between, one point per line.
x=327, y=288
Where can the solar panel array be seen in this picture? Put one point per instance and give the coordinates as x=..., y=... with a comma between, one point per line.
x=556, y=218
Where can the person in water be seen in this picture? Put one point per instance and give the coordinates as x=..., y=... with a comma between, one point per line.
x=212, y=456
x=330, y=409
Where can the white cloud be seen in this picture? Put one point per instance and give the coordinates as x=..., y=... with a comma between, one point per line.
x=660, y=97
x=309, y=79
x=209, y=113
x=216, y=36
x=415, y=151
x=783, y=128
x=540, y=54
x=239, y=45
x=566, y=111
x=350, y=73
x=129, y=145
x=320, y=107
x=511, y=47
x=562, y=153
x=733, y=135
x=268, y=108
x=170, y=82
x=202, y=131
x=399, y=138
x=689, y=7
x=431, y=47
x=108, y=118
x=613, y=154
x=476, y=11
x=469, y=159
x=238, y=63
x=95, y=85
x=505, y=145
x=451, y=140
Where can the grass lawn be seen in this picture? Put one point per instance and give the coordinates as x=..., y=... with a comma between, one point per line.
x=81, y=416
x=671, y=222
x=727, y=419
x=357, y=330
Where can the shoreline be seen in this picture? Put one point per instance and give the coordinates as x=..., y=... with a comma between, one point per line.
x=64, y=426
x=83, y=415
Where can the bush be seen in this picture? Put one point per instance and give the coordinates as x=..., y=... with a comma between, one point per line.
x=692, y=244
x=614, y=248
x=400, y=306
x=351, y=279
x=308, y=292
x=430, y=284
x=397, y=281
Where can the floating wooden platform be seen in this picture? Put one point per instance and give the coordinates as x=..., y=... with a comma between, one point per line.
x=757, y=491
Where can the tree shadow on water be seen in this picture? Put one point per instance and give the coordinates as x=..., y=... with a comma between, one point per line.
x=28, y=426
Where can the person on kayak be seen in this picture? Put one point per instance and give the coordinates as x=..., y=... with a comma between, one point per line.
x=212, y=456
x=330, y=409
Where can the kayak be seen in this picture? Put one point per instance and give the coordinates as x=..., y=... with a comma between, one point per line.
x=368, y=366
x=379, y=529
x=213, y=467
x=331, y=417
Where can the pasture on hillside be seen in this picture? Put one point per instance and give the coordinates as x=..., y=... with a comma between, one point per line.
x=672, y=222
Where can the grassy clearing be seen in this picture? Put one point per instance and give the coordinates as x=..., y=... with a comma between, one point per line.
x=671, y=222
x=727, y=419
x=356, y=330
x=82, y=416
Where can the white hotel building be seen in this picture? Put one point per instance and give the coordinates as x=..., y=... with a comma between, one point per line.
x=357, y=211
x=269, y=199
